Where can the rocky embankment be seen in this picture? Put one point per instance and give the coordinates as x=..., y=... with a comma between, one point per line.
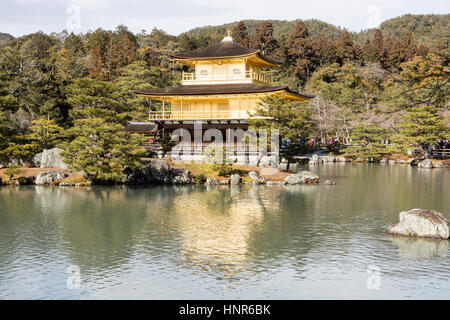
x=157, y=172
x=320, y=158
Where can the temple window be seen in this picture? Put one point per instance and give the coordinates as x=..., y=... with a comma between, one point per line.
x=204, y=74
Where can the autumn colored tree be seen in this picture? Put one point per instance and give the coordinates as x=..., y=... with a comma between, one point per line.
x=373, y=49
x=301, y=57
x=240, y=34
x=263, y=38
x=325, y=49
x=347, y=49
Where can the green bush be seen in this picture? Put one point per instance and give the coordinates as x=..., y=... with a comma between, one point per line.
x=200, y=178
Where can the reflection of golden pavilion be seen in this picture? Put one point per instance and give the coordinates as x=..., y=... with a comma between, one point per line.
x=215, y=239
x=223, y=90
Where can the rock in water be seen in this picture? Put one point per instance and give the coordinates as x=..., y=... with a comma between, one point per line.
x=25, y=180
x=182, y=176
x=211, y=182
x=159, y=172
x=51, y=158
x=302, y=177
x=256, y=177
x=235, y=179
x=329, y=182
x=426, y=164
x=49, y=177
x=421, y=223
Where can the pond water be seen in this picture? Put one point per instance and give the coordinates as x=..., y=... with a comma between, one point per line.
x=243, y=242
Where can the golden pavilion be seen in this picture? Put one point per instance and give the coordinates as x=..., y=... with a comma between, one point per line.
x=222, y=92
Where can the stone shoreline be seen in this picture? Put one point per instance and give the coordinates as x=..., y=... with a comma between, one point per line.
x=159, y=171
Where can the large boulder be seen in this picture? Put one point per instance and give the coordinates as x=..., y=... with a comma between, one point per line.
x=426, y=164
x=49, y=177
x=302, y=177
x=182, y=176
x=414, y=162
x=284, y=165
x=26, y=180
x=314, y=160
x=159, y=172
x=211, y=182
x=36, y=161
x=254, y=162
x=421, y=223
x=235, y=179
x=256, y=177
x=51, y=158
x=16, y=162
x=269, y=161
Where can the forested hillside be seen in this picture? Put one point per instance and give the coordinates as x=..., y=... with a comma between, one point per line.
x=67, y=89
x=4, y=38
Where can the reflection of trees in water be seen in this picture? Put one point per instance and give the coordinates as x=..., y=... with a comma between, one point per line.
x=420, y=248
x=30, y=227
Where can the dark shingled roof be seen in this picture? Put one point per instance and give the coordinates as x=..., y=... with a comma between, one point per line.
x=142, y=127
x=224, y=49
x=218, y=89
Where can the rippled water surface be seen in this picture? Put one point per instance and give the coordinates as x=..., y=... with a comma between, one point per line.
x=251, y=242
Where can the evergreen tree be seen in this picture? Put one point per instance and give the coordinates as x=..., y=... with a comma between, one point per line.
x=103, y=150
x=45, y=134
x=419, y=127
x=291, y=119
x=366, y=141
x=92, y=98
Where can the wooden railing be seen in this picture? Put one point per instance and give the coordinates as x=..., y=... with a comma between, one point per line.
x=197, y=115
x=440, y=153
x=248, y=75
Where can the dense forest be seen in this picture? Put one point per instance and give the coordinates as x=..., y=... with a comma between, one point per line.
x=76, y=90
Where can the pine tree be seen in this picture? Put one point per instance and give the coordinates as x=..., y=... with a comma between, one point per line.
x=291, y=119
x=45, y=134
x=91, y=98
x=419, y=127
x=366, y=141
x=102, y=150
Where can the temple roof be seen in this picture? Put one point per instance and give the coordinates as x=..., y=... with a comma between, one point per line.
x=141, y=127
x=219, y=89
x=225, y=49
